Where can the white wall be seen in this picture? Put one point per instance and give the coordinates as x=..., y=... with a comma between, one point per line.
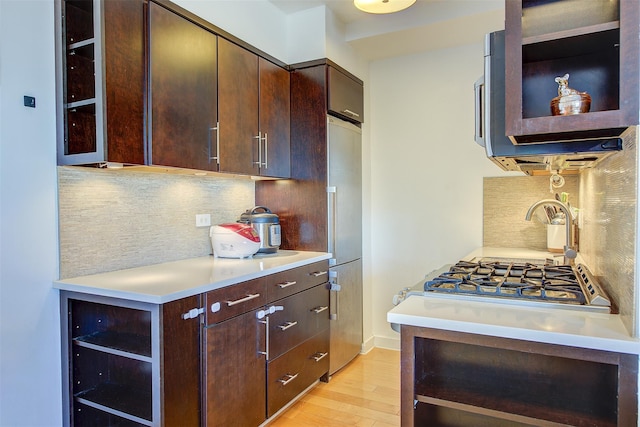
x=426, y=170
x=256, y=22
x=30, y=376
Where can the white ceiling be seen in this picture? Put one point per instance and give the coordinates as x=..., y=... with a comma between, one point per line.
x=427, y=25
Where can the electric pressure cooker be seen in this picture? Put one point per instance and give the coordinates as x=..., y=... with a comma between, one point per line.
x=266, y=224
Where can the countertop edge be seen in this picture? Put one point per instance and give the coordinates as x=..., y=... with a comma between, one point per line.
x=611, y=325
x=77, y=285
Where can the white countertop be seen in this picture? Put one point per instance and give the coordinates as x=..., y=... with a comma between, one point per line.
x=162, y=283
x=594, y=330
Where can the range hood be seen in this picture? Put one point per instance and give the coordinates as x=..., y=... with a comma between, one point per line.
x=530, y=158
x=537, y=159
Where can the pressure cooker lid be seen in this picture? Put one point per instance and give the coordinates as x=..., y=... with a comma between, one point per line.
x=259, y=214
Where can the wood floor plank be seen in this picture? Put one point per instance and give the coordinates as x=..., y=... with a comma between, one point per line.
x=365, y=393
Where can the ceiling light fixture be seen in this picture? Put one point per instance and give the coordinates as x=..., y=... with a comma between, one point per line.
x=382, y=6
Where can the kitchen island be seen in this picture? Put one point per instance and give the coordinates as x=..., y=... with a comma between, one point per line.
x=469, y=362
x=204, y=341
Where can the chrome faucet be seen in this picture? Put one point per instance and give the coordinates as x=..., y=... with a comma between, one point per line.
x=569, y=253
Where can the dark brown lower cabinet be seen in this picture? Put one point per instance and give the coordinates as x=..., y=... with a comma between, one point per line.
x=459, y=379
x=298, y=345
x=258, y=361
x=231, y=357
x=235, y=372
x=291, y=373
x=130, y=363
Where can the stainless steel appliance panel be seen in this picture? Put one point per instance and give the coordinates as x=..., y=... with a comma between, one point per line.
x=345, y=305
x=344, y=190
x=344, y=198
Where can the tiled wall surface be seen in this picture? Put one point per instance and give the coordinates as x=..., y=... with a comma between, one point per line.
x=506, y=202
x=110, y=220
x=609, y=198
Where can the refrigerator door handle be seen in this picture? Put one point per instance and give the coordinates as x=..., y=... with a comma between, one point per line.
x=331, y=226
x=334, y=296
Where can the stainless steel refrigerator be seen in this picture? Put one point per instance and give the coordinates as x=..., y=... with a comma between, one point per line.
x=344, y=207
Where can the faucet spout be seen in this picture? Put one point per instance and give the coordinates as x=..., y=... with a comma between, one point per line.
x=569, y=253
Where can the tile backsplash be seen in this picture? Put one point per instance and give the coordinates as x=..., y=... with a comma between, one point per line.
x=608, y=240
x=111, y=220
x=506, y=201
x=607, y=198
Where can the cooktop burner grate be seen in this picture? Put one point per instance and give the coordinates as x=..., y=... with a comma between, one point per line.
x=553, y=283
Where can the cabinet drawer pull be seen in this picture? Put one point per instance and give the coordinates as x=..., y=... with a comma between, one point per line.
x=351, y=113
x=318, y=273
x=287, y=325
x=319, y=356
x=241, y=300
x=287, y=379
x=320, y=309
x=287, y=284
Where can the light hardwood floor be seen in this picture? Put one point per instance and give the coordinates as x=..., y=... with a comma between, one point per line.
x=364, y=393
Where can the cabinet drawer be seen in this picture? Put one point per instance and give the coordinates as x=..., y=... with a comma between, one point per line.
x=289, y=282
x=233, y=300
x=302, y=316
x=294, y=371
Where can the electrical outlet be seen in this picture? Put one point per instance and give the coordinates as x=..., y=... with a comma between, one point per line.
x=203, y=220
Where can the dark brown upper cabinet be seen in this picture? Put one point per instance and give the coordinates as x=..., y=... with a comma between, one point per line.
x=182, y=92
x=253, y=95
x=148, y=83
x=275, y=117
x=102, y=70
x=595, y=42
x=345, y=95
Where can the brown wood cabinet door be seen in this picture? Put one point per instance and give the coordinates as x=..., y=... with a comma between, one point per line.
x=302, y=207
x=345, y=96
x=274, y=109
x=124, y=62
x=238, y=99
x=181, y=363
x=235, y=374
x=183, y=88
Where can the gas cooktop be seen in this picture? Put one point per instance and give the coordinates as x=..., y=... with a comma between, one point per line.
x=517, y=282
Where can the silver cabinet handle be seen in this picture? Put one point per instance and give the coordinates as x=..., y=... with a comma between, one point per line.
x=319, y=356
x=350, y=113
x=287, y=284
x=241, y=300
x=259, y=138
x=261, y=315
x=287, y=379
x=320, y=309
x=318, y=273
x=217, y=156
x=287, y=325
x=266, y=149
